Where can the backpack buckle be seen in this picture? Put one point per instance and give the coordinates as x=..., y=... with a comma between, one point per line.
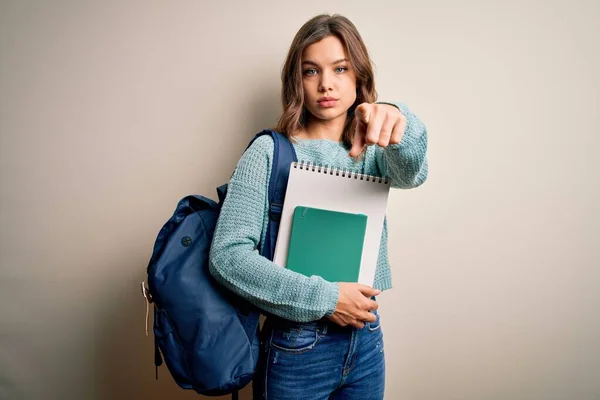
x=148, y=298
x=146, y=293
x=275, y=211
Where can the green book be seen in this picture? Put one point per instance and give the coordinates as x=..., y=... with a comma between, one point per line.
x=326, y=243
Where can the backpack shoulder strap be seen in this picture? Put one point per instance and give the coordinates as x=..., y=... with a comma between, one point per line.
x=283, y=156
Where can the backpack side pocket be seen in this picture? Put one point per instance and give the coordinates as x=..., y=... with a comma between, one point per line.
x=171, y=348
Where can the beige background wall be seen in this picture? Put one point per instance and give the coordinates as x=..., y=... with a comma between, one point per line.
x=112, y=111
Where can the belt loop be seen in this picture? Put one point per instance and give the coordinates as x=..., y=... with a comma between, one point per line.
x=324, y=328
x=374, y=299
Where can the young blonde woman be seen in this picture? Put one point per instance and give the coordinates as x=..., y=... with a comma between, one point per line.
x=322, y=340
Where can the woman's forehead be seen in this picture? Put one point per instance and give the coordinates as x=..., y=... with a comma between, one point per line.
x=329, y=50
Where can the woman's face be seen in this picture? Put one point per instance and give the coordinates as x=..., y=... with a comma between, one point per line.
x=328, y=79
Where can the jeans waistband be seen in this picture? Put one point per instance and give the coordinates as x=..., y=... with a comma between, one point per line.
x=324, y=324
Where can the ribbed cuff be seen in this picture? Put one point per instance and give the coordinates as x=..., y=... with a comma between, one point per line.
x=383, y=284
x=332, y=296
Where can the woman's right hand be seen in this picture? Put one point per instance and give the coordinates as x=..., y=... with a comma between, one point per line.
x=354, y=305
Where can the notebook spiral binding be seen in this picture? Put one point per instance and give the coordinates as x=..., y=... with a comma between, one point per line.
x=343, y=172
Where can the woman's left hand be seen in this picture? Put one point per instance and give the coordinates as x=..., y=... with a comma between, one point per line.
x=381, y=124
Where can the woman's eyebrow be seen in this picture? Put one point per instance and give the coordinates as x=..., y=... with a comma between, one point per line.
x=315, y=64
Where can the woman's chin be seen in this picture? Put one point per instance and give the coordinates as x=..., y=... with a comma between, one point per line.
x=329, y=114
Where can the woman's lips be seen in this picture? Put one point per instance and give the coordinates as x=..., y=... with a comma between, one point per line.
x=328, y=103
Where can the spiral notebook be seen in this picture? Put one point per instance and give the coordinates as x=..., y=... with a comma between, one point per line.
x=322, y=187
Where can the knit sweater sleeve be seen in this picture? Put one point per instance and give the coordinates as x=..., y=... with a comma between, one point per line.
x=405, y=163
x=235, y=261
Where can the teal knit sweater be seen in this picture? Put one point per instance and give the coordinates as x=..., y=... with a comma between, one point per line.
x=234, y=259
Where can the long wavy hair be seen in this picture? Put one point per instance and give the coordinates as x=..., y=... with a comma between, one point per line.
x=295, y=115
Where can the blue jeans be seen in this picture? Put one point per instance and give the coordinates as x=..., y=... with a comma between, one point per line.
x=320, y=360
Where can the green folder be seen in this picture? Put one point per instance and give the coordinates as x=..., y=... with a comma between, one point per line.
x=326, y=243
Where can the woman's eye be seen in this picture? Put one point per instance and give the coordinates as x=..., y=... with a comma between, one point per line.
x=341, y=69
x=310, y=71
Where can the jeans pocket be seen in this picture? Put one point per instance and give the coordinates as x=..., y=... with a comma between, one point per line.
x=295, y=338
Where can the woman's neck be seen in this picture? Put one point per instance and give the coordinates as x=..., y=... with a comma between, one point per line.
x=320, y=129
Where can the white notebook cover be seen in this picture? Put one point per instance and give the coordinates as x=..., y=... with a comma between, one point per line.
x=338, y=190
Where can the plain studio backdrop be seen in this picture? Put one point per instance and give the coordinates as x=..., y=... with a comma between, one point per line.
x=110, y=112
